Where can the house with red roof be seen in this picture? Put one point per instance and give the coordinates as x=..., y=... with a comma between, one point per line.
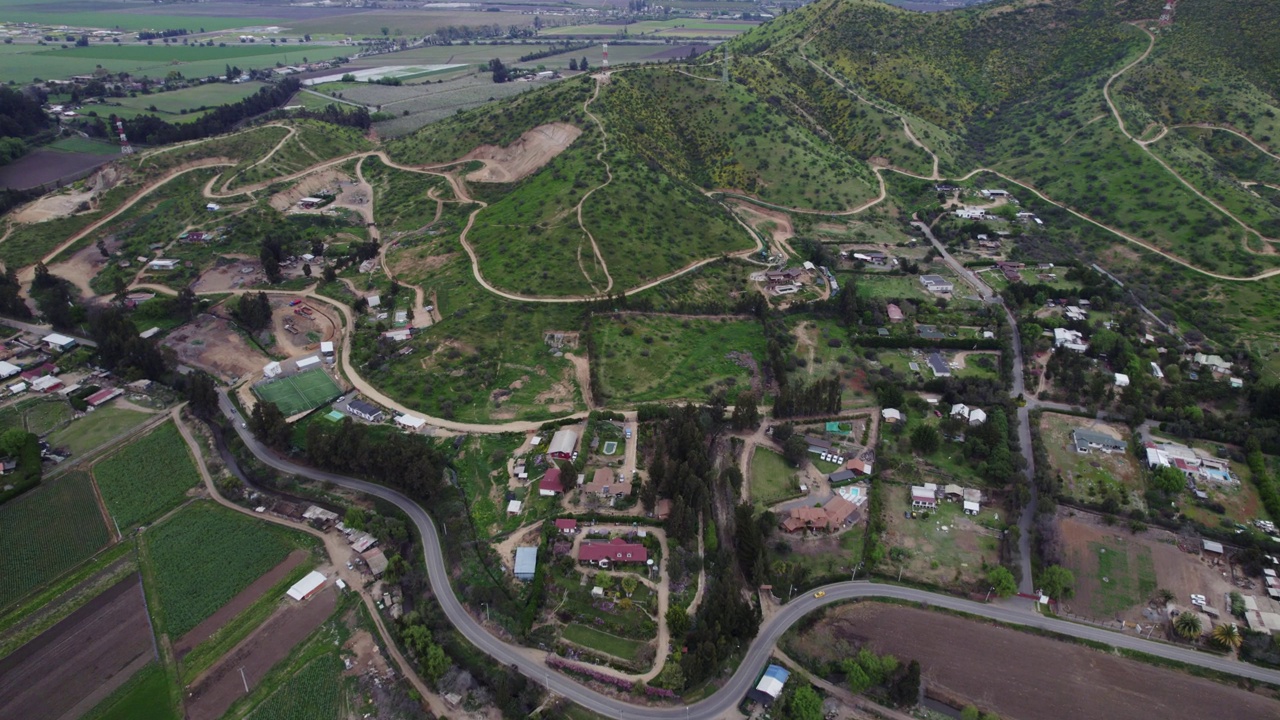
x=551, y=484
x=614, y=552
x=568, y=526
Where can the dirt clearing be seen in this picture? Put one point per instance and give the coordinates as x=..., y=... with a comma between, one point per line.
x=82, y=659
x=212, y=693
x=69, y=201
x=1019, y=675
x=230, y=272
x=324, y=180
x=523, y=157
x=212, y=344
x=238, y=604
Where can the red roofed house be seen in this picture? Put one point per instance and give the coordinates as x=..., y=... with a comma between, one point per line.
x=550, y=483
x=102, y=396
x=895, y=314
x=861, y=467
x=616, y=551
x=568, y=526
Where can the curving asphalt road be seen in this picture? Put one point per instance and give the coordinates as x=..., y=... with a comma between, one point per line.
x=723, y=702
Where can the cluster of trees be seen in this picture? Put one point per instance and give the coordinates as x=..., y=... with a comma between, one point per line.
x=681, y=470
x=795, y=398
x=55, y=297
x=725, y=623
x=21, y=117
x=11, y=303
x=579, y=64
x=987, y=446
x=158, y=34
x=407, y=463
x=24, y=447
x=556, y=49
x=120, y=350
x=253, y=311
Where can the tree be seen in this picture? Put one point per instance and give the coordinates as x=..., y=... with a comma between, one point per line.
x=386, y=31
x=1057, y=582
x=677, y=622
x=1168, y=479
x=573, y=63
x=202, y=393
x=1187, y=625
x=795, y=449
x=436, y=663
x=306, y=269
x=330, y=274
x=925, y=439
x=582, y=64
x=970, y=713
x=805, y=704
x=500, y=72
x=1002, y=580
x=746, y=415
x=604, y=579
x=629, y=584
x=856, y=677
x=12, y=441
x=906, y=689
x=1228, y=636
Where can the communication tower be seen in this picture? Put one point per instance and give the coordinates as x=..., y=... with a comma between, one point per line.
x=125, y=147
x=605, y=62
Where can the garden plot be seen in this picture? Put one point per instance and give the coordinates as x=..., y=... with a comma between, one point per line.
x=1095, y=476
x=944, y=546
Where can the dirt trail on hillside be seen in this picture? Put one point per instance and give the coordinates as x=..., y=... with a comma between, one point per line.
x=528, y=154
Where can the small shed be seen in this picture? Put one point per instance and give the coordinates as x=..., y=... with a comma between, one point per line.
x=770, y=685
x=307, y=586
x=271, y=369
x=513, y=507
x=1212, y=547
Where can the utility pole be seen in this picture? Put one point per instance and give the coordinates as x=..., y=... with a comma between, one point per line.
x=989, y=591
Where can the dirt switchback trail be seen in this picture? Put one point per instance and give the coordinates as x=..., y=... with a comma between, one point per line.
x=604, y=147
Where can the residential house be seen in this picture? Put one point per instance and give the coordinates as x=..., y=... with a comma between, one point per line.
x=922, y=498
x=938, y=365
x=1122, y=380
x=770, y=686
x=859, y=466
x=662, y=510
x=841, y=476
x=1156, y=372
x=362, y=409
x=1087, y=440
x=895, y=313
x=891, y=415
x=929, y=332
x=936, y=284
x=605, y=483
x=1213, y=362
x=59, y=342
x=790, y=276
x=1069, y=339
x=970, y=213
x=551, y=483
x=613, y=552
x=567, y=526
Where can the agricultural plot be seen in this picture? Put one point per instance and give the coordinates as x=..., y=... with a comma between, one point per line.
x=204, y=555
x=97, y=428
x=620, y=647
x=1093, y=477
x=299, y=393
x=313, y=692
x=717, y=284
x=645, y=357
x=146, y=695
x=48, y=531
x=149, y=476
x=193, y=61
x=37, y=416
x=186, y=100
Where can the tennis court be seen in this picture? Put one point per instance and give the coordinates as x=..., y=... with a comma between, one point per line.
x=299, y=393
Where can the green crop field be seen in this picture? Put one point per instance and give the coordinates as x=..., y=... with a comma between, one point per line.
x=313, y=693
x=145, y=695
x=203, y=556
x=176, y=101
x=149, y=476
x=30, y=61
x=38, y=416
x=46, y=532
x=299, y=393
x=604, y=642
x=646, y=358
x=77, y=144
x=673, y=28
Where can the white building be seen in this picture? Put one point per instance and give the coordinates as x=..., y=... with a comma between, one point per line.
x=1122, y=380
x=164, y=264
x=936, y=284
x=271, y=369
x=57, y=341
x=1069, y=339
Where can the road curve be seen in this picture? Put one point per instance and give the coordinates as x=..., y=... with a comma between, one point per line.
x=723, y=702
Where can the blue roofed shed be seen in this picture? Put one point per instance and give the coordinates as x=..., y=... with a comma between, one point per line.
x=770, y=685
x=526, y=562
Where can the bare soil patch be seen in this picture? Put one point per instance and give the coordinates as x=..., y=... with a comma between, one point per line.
x=211, y=343
x=368, y=658
x=329, y=179
x=212, y=693
x=84, y=265
x=1025, y=676
x=523, y=157
x=308, y=330
x=231, y=272
x=238, y=604
x=69, y=201
x=81, y=659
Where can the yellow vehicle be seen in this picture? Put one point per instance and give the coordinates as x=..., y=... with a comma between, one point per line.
x=820, y=593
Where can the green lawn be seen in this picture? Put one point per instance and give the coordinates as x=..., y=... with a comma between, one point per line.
x=645, y=358
x=772, y=479
x=203, y=556
x=46, y=532
x=97, y=428
x=37, y=415
x=29, y=61
x=1125, y=576
x=604, y=642
x=148, y=477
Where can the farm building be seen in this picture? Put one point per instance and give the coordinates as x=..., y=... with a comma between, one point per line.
x=551, y=484
x=46, y=384
x=271, y=369
x=308, y=362
x=364, y=410
x=770, y=685
x=526, y=563
x=307, y=586
x=563, y=444
x=103, y=396
x=58, y=341
x=8, y=369
x=615, y=551
x=376, y=560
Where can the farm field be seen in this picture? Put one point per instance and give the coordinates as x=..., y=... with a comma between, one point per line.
x=645, y=358
x=877, y=285
x=1084, y=682
x=176, y=101
x=147, y=477
x=38, y=415
x=1096, y=476
x=151, y=60
x=313, y=692
x=229, y=550
x=97, y=428
x=146, y=695
x=772, y=479
x=666, y=28
x=604, y=642
x=43, y=166
x=48, y=531
x=299, y=393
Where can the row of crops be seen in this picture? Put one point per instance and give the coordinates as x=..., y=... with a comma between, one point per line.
x=148, y=477
x=313, y=693
x=46, y=532
x=204, y=555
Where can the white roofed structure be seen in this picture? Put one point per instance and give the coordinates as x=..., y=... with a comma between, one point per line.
x=307, y=586
x=271, y=369
x=307, y=362
x=411, y=422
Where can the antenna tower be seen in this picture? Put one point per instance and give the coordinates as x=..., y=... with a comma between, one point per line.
x=125, y=147
x=1166, y=16
x=605, y=62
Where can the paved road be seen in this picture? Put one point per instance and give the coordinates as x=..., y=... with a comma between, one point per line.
x=724, y=701
x=43, y=330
